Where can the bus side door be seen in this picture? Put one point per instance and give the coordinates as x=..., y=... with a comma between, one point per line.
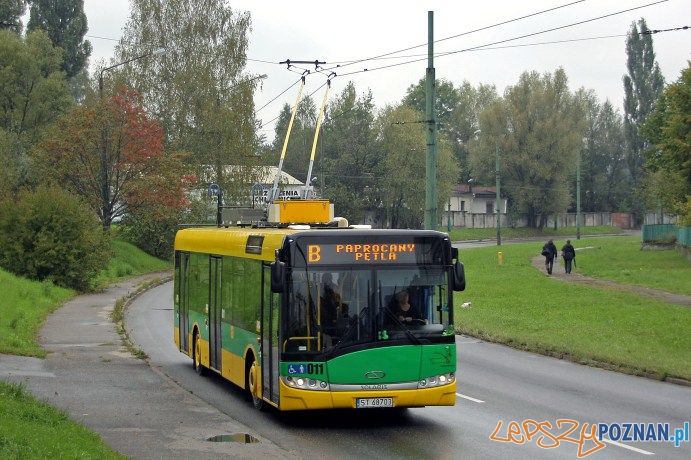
x=183, y=319
x=269, y=334
x=215, y=335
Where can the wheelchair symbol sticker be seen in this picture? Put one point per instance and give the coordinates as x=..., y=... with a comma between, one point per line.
x=296, y=369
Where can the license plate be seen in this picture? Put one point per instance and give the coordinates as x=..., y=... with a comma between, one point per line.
x=362, y=403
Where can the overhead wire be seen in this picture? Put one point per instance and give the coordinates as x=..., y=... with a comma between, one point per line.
x=417, y=46
x=490, y=46
x=479, y=47
x=459, y=35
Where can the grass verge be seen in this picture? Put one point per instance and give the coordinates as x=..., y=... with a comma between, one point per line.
x=516, y=304
x=31, y=429
x=25, y=304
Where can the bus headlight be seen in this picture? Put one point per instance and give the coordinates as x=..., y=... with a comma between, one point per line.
x=437, y=380
x=305, y=383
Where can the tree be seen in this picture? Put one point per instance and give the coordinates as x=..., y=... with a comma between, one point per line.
x=669, y=132
x=139, y=175
x=604, y=184
x=464, y=121
x=11, y=12
x=65, y=23
x=198, y=88
x=349, y=154
x=34, y=91
x=32, y=95
x=538, y=127
x=447, y=99
x=642, y=87
x=456, y=112
x=399, y=179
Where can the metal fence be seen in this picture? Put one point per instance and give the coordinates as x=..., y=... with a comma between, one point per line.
x=662, y=233
x=461, y=219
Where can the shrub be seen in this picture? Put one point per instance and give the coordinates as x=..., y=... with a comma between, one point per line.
x=153, y=233
x=51, y=235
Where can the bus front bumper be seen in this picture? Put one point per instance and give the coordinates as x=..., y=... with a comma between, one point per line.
x=299, y=399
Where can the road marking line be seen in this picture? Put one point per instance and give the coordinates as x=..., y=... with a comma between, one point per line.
x=619, y=444
x=469, y=398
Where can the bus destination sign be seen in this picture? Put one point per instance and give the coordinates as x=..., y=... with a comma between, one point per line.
x=408, y=252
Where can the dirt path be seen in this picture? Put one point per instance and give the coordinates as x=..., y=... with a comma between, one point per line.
x=577, y=278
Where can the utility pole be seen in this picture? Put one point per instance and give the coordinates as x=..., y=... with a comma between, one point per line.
x=578, y=193
x=431, y=163
x=498, y=197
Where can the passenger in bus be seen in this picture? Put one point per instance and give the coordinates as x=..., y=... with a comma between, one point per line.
x=405, y=312
x=330, y=301
x=330, y=304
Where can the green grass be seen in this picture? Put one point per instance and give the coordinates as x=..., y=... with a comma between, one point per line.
x=621, y=259
x=25, y=304
x=23, y=308
x=30, y=429
x=129, y=261
x=518, y=305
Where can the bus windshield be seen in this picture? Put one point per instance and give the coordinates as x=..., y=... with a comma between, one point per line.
x=331, y=309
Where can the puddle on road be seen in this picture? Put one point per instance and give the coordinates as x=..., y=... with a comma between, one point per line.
x=238, y=437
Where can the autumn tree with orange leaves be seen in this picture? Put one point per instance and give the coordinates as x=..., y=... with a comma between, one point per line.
x=140, y=177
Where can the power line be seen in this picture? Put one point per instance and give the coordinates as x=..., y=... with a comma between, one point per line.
x=462, y=34
x=474, y=48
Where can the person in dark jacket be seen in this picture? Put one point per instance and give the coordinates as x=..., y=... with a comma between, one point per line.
x=549, y=250
x=568, y=253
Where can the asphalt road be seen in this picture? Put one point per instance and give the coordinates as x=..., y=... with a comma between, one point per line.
x=497, y=385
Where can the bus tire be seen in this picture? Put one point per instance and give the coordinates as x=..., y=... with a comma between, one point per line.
x=197, y=354
x=253, y=382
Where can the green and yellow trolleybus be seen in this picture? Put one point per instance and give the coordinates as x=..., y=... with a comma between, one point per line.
x=307, y=316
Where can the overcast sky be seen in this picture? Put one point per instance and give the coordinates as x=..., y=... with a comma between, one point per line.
x=591, y=50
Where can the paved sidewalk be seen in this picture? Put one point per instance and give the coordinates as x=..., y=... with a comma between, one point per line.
x=136, y=410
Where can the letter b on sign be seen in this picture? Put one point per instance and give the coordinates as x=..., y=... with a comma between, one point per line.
x=313, y=253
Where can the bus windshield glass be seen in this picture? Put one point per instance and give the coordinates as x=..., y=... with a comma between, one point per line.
x=331, y=309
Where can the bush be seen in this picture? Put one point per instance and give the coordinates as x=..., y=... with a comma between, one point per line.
x=153, y=233
x=51, y=235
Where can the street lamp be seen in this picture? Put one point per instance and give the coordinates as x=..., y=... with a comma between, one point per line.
x=105, y=192
x=155, y=52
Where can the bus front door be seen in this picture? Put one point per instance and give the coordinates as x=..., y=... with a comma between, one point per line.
x=215, y=312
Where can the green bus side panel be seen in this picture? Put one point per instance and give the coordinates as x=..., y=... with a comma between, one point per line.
x=238, y=344
x=200, y=319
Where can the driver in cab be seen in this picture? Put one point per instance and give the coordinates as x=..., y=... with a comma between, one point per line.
x=405, y=312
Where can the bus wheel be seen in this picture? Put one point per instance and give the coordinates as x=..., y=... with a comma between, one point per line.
x=253, y=384
x=198, y=367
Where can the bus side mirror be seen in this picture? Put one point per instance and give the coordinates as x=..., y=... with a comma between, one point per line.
x=278, y=276
x=458, y=276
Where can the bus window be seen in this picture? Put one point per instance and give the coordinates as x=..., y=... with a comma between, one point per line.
x=326, y=308
x=335, y=309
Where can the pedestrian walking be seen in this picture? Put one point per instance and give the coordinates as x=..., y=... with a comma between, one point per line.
x=568, y=253
x=549, y=251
